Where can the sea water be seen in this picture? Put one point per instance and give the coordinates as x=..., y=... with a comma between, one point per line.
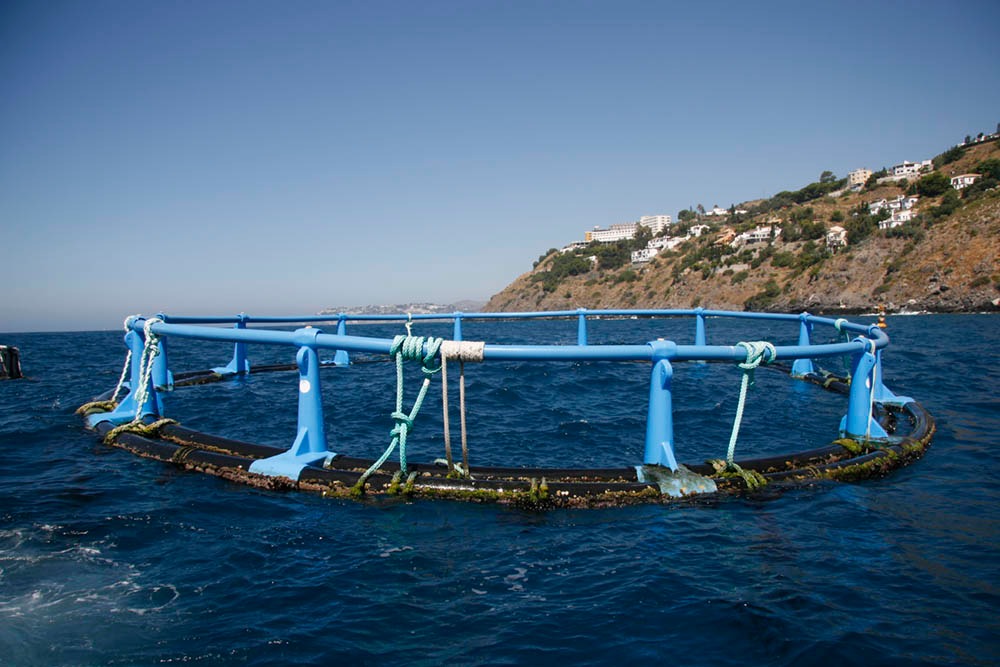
x=110, y=559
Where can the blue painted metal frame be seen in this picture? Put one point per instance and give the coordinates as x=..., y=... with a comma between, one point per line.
x=341, y=357
x=802, y=367
x=240, y=364
x=660, y=415
x=310, y=445
x=859, y=422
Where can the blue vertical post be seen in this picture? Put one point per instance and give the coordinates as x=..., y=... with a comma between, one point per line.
x=160, y=377
x=239, y=364
x=457, y=332
x=311, y=434
x=581, y=326
x=340, y=357
x=802, y=367
x=699, y=329
x=699, y=326
x=310, y=446
x=660, y=417
x=126, y=409
x=859, y=423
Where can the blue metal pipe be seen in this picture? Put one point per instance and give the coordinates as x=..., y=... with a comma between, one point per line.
x=699, y=327
x=510, y=352
x=310, y=445
x=659, y=418
x=803, y=366
x=858, y=422
x=700, y=313
x=341, y=357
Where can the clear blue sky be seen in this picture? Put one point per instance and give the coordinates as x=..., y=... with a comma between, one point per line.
x=281, y=157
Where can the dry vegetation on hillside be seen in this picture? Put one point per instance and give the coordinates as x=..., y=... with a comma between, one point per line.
x=944, y=260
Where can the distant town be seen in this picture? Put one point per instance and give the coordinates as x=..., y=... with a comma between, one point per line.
x=666, y=235
x=418, y=308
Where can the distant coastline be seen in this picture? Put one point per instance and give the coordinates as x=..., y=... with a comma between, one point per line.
x=415, y=308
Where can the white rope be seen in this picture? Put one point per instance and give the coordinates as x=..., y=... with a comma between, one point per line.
x=128, y=359
x=461, y=417
x=463, y=350
x=444, y=410
x=149, y=352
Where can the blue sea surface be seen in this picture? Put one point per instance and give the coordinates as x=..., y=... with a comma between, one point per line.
x=110, y=559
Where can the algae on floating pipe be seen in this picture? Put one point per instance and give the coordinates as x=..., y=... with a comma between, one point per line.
x=725, y=470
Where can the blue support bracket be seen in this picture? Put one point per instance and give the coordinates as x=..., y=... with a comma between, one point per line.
x=340, y=357
x=660, y=418
x=581, y=326
x=882, y=393
x=859, y=423
x=457, y=331
x=239, y=364
x=310, y=446
x=802, y=367
x=160, y=379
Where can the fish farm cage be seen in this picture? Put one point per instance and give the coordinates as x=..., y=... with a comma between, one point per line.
x=879, y=430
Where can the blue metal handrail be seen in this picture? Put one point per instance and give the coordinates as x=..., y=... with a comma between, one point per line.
x=310, y=444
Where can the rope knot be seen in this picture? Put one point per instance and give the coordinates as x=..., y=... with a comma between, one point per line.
x=405, y=348
x=404, y=423
x=755, y=354
x=411, y=348
x=427, y=363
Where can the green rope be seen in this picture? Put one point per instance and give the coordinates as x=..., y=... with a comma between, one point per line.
x=755, y=355
x=405, y=348
x=139, y=428
x=729, y=470
x=112, y=403
x=94, y=407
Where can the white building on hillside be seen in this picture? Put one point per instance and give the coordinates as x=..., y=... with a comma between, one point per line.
x=836, y=237
x=656, y=223
x=897, y=219
x=644, y=255
x=717, y=211
x=666, y=242
x=858, y=177
x=907, y=169
x=575, y=245
x=698, y=230
x=964, y=180
x=900, y=203
x=621, y=232
x=758, y=234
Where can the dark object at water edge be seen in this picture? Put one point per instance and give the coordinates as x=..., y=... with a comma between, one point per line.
x=10, y=363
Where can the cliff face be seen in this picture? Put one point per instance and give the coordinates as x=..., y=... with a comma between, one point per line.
x=948, y=263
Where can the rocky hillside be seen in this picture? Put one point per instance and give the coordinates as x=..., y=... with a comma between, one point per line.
x=944, y=260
